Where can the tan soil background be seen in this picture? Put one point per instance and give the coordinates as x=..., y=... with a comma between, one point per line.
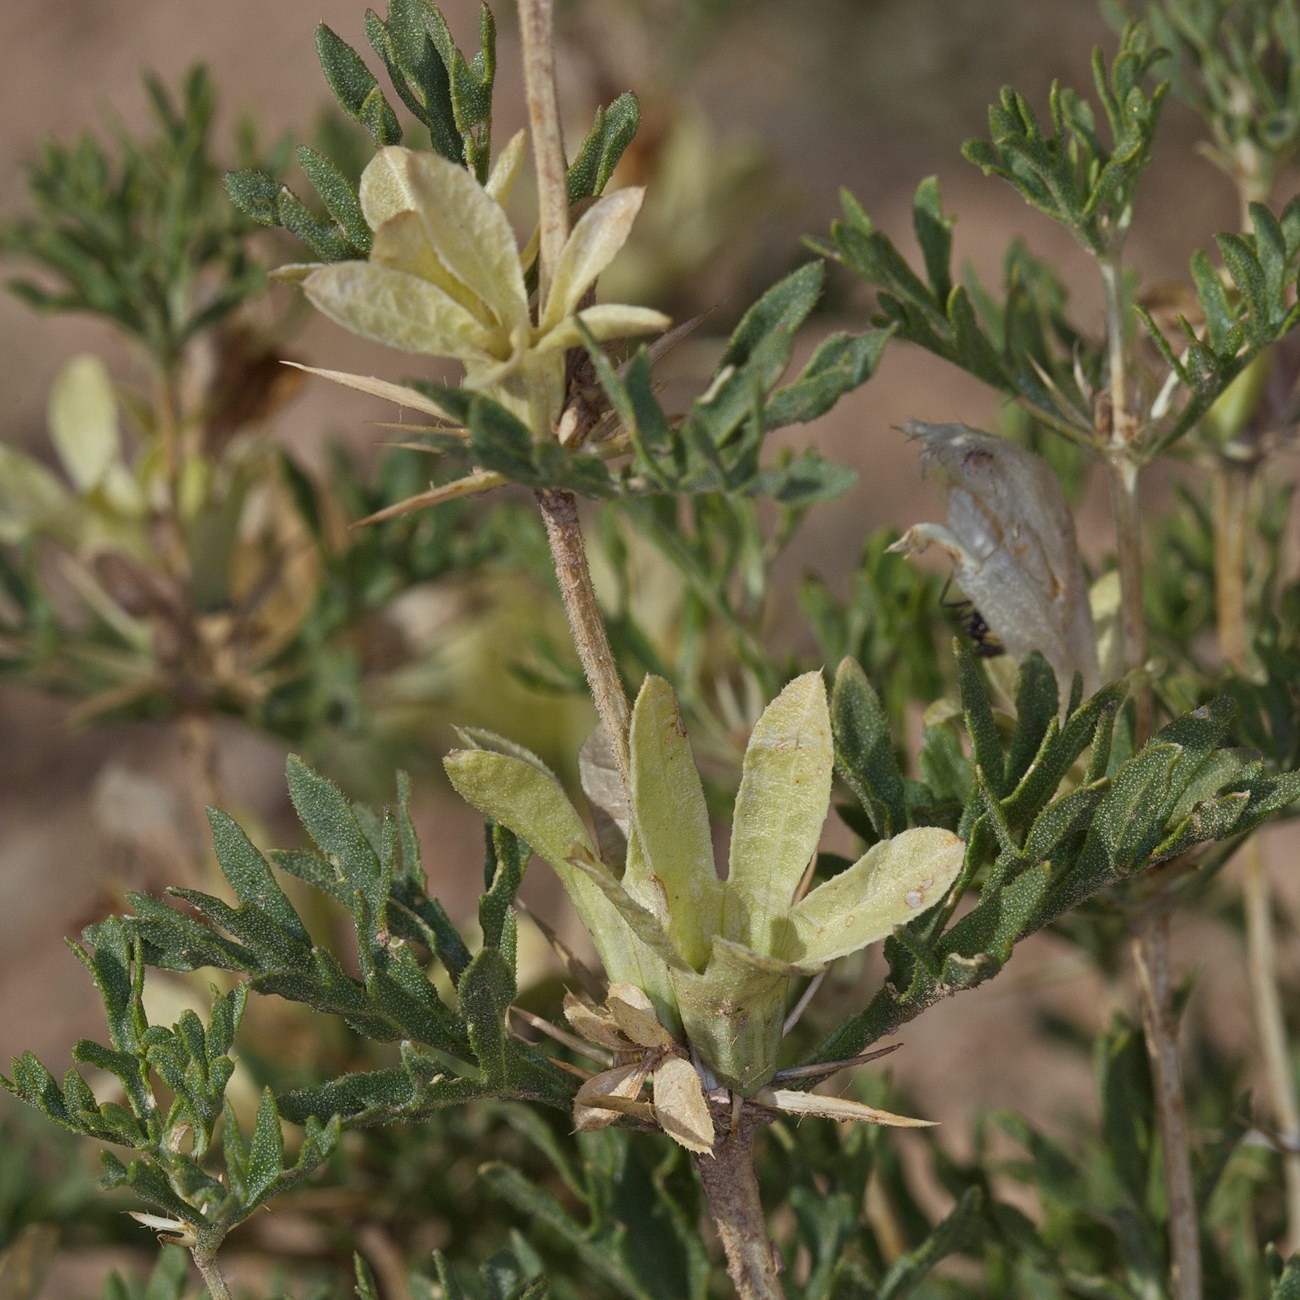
x=915, y=79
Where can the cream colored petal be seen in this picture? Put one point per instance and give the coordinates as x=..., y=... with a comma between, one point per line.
x=680, y=1106
x=400, y=243
x=506, y=169
x=384, y=191
x=634, y=1014
x=785, y=789
x=469, y=233
x=600, y=232
x=606, y=320
x=790, y=1102
x=892, y=883
x=401, y=311
x=398, y=393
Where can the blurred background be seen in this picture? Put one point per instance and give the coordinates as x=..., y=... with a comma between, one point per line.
x=754, y=115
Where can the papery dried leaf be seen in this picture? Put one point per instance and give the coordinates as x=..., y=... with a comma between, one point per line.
x=1011, y=537
x=595, y=1024
x=634, y=1014
x=680, y=1106
x=398, y=393
x=606, y=1096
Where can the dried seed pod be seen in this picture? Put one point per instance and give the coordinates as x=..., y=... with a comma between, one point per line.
x=1011, y=539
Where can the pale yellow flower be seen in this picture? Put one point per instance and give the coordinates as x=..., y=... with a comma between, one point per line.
x=446, y=278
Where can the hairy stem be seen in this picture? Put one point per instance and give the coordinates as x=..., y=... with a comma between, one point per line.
x=564, y=533
x=731, y=1190
x=535, y=27
x=1156, y=994
x=1233, y=482
x=205, y=1260
x=1122, y=480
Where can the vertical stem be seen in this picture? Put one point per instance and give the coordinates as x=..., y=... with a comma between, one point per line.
x=1156, y=994
x=1232, y=486
x=535, y=25
x=205, y=1260
x=564, y=533
x=1122, y=480
x=1150, y=934
x=731, y=1189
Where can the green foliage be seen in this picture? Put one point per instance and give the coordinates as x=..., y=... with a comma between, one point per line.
x=370, y=865
x=172, y=1141
x=140, y=237
x=1046, y=847
x=1069, y=173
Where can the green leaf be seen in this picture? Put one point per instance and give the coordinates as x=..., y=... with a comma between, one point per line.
x=355, y=87
x=339, y=196
x=952, y=1234
x=612, y=131
x=864, y=751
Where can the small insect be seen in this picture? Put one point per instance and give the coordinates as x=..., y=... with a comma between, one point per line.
x=971, y=622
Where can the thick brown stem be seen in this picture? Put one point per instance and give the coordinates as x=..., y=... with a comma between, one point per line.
x=731, y=1190
x=1156, y=994
x=564, y=533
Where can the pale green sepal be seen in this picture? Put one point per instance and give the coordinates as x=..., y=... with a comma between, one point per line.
x=402, y=245
x=673, y=821
x=598, y=235
x=83, y=422
x=399, y=310
x=607, y=320
x=891, y=884
x=532, y=804
x=640, y=919
x=295, y=272
x=482, y=738
x=734, y=1012
x=785, y=789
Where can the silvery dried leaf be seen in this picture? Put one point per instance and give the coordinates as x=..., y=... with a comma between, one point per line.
x=1011, y=539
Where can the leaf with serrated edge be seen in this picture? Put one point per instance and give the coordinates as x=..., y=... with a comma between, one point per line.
x=785, y=789
x=891, y=884
x=673, y=821
x=679, y=1104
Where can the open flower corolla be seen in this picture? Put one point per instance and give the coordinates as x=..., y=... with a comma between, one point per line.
x=445, y=278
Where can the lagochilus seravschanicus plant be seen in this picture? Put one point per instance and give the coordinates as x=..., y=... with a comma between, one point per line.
x=1077, y=760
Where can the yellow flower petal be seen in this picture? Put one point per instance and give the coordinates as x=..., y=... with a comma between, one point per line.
x=400, y=243
x=468, y=232
x=600, y=232
x=399, y=310
x=506, y=168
